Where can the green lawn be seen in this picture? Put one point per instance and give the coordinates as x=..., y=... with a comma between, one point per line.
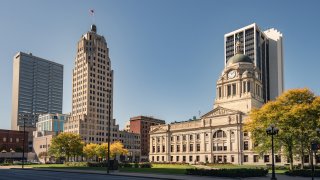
x=156, y=168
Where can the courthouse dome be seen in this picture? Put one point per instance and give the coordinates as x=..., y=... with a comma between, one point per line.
x=239, y=58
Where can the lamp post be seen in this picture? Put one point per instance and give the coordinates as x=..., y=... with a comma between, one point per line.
x=45, y=160
x=109, y=136
x=272, y=130
x=24, y=137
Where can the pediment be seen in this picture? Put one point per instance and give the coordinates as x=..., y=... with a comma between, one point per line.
x=158, y=129
x=220, y=111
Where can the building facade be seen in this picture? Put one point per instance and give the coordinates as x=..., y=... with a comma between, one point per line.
x=266, y=50
x=92, y=90
x=218, y=136
x=51, y=122
x=37, y=88
x=41, y=144
x=131, y=142
x=48, y=126
x=141, y=125
x=11, y=140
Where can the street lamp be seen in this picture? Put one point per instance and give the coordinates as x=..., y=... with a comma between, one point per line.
x=109, y=131
x=272, y=130
x=24, y=137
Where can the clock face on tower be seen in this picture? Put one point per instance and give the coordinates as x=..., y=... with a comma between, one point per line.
x=232, y=74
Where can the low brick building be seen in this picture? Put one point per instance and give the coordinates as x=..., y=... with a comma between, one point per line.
x=141, y=125
x=11, y=140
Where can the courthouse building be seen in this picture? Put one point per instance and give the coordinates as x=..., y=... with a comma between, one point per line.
x=218, y=136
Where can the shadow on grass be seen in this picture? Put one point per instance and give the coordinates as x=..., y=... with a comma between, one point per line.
x=154, y=170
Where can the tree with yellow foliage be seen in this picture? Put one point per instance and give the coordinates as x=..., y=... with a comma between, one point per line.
x=102, y=150
x=297, y=115
x=117, y=148
x=90, y=150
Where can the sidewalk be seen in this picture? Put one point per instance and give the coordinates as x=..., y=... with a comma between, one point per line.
x=159, y=176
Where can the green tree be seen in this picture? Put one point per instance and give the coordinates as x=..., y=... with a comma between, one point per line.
x=66, y=145
x=296, y=114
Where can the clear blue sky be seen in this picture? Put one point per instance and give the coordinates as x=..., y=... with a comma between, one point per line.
x=166, y=54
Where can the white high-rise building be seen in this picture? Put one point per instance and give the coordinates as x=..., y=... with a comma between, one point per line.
x=92, y=91
x=266, y=50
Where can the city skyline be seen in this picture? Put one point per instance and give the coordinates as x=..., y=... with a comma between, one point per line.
x=165, y=60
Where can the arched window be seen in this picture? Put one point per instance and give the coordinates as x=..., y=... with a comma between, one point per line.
x=219, y=134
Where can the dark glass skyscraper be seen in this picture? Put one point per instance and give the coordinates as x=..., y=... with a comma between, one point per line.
x=37, y=88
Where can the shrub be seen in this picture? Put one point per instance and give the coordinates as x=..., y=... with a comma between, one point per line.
x=136, y=165
x=145, y=165
x=175, y=163
x=243, y=172
x=76, y=164
x=303, y=173
x=125, y=165
x=98, y=164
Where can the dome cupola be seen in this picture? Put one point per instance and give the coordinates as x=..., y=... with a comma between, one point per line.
x=239, y=56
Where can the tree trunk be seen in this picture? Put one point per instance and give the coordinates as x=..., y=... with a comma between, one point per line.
x=290, y=157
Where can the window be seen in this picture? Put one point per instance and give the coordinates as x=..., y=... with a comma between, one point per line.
x=198, y=147
x=234, y=89
x=306, y=159
x=157, y=158
x=278, y=158
x=178, y=148
x=248, y=86
x=184, y=137
x=158, y=148
x=191, y=137
x=198, y=136
x=177, y=158
x=178, y=138
x=197, y=158
x=219, y=134
x=266, y=158
x=172, y=138
x=152, y=158
x=245, y=145
x=171, y=158
x=232, y=158
x=4, y=139
x=10, y=139
x=229, y=90
x=245, y=158
x=17, y=139
x=191, y=147
x=172, y=148
x=153, y=149
x=184, y=148
x=245, y=133
x=190, y=158
x=162, y=158
x=184, y=158
x=163, y=149
x=220, y=92
x=255, y=158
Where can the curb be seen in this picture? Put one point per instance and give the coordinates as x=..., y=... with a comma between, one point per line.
x=92, y=172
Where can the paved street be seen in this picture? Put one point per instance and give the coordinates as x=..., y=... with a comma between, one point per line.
x=15, y=174
x=64, y=174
